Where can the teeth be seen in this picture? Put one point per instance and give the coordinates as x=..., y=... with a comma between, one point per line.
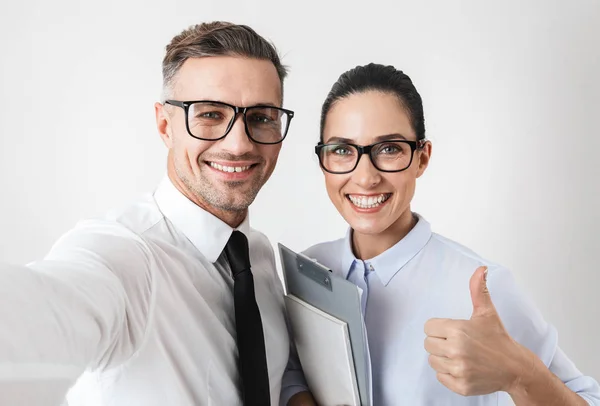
x=364, y=202
x=229, y=169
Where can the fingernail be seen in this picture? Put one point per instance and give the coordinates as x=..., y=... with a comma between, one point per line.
x=485, y=274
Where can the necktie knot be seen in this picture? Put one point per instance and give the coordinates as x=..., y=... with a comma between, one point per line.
x=238, y=253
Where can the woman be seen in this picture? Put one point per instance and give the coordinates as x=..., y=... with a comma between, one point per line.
x=436, y=335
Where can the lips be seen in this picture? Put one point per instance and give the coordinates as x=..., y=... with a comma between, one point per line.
x=229, y=169
x=368, y=202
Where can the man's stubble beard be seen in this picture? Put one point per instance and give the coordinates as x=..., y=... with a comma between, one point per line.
x=235, y=199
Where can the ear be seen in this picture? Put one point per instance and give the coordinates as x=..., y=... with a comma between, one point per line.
x=163, y=124
x=424, y=155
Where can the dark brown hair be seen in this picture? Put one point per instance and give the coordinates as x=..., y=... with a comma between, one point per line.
x=386, y=79
x=218, y=38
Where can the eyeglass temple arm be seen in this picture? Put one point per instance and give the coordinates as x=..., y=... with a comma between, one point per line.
x=175, y=103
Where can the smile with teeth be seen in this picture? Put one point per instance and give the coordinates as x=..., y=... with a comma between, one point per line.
x=368, y=202
x=229, y=169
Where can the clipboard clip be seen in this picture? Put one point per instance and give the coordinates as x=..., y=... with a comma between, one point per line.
x=308, y=269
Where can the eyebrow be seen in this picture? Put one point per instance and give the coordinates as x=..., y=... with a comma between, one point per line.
x=268, y=104
x=209, y=101
x=386, y=137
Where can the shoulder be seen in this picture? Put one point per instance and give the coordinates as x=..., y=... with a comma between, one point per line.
x=455, y=263
x=138, y=216
x=450, y=251
x=328, y=253
x=118, y=237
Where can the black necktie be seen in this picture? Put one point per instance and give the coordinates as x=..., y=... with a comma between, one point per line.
x=250, y=336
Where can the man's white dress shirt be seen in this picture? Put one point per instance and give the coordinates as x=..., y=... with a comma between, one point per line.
x=142, y=300
x=425, y=276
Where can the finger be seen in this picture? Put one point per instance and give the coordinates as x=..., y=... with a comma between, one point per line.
x=436, y=346
x=449, y=382
x=437, y=328
x=443, y=328
x=441, y=365
x=480, y=295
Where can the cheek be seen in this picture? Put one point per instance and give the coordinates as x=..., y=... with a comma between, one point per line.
x=269, y=153
x=177, y=130
x=404, y=185
x=334, y=184
x=189, y=150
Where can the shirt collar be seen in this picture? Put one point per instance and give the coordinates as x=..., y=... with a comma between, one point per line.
x=391, y=261
x=206, y=232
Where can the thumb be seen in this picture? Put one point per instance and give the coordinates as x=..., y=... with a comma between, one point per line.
x=480, y=295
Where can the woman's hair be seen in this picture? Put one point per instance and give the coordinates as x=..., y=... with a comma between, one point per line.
x=376, y=77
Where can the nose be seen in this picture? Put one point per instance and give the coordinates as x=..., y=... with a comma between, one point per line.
x=237, y=141
x=365, y=174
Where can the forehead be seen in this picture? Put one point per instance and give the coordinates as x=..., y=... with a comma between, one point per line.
x=363, y=117
x=236, y=80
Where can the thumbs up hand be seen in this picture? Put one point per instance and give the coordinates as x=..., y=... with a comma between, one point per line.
x=476, y=356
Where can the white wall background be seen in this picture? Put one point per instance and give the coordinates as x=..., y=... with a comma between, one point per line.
x=512, y=99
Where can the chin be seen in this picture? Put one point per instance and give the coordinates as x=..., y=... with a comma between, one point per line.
x=368, y=223
x=367, y=226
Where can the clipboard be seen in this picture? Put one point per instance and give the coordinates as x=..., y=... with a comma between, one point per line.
x=315, y=284
x=323, y=346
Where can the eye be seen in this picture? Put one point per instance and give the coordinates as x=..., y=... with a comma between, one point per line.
x=260, y=119
x=341, y=150
x=211, y=115
x=338, y=150
x=390, y=149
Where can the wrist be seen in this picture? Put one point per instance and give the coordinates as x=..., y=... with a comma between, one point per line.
x=523, y=373
x=536, y=385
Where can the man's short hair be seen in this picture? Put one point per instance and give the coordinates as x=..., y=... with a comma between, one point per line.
x=218, y=38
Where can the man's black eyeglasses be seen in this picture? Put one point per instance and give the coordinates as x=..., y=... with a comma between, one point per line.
x=212, y=120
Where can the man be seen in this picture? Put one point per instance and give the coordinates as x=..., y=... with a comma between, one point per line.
x=159, y=301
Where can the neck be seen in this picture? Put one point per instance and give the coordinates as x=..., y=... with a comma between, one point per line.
x=232, y=218
x=367, y=246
